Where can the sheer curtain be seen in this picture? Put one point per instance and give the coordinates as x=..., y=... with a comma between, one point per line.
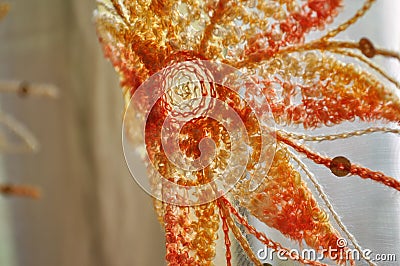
x=91, y=212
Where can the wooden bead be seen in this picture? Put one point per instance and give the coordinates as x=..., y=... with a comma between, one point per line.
x=340, y=166
x=367, y=48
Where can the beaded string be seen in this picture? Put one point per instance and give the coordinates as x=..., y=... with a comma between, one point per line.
x=329, y=205
x=354, y=170
x=20, y=191
x=364, y=45
x=28, y=142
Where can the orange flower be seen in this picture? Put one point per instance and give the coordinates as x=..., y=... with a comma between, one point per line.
x=304, y=83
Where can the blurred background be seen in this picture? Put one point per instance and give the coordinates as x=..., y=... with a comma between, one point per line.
x=92, y=212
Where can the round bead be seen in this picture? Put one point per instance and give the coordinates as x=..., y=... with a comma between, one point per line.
x=367, y=48
x=23, y=89
x=340, y=166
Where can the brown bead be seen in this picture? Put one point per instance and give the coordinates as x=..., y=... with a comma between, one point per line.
x=6, y=189
x=23, y=89
x=367, y=48
x=340, y=166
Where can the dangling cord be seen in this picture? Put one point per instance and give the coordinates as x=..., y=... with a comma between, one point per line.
x=328, y=204
x=225, y=229
x=360, y=13
x=264, y=239
x=345, y=135
x=19, y=190
x=238, y=235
